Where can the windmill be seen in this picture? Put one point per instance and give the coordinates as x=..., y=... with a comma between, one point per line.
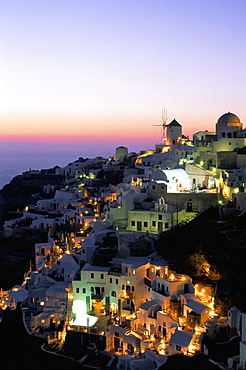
x=164, y=124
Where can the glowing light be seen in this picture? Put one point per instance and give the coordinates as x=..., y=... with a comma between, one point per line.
x=82, y=319
x=171, y=277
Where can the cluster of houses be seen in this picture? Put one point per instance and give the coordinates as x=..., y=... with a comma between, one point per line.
x=98, y=275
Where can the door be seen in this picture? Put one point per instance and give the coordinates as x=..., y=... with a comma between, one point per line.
x=139, y=226
x=116, y=343
x=160, y=226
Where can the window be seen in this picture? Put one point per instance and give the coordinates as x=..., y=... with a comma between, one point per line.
x=84, y=290
x=178, y=348
x=159, y=327
x=116, y=334
x=77, y=290
x=166, y=225
x=153, y=187
x=160, y=217
x=154, y=223
x=92, y=289
x=123, y=287
x=113, y=293
x=229, y=143
x=110, y=280
x=132, y=223
x=102, y=289
x=133, y=288
x=223, y=134
x=116, y=281
x=102, y=276
x=92, y=275
x=145, y=224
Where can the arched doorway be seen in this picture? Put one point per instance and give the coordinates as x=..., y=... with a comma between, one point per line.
x=113, y=308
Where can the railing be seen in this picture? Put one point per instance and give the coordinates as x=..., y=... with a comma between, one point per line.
x=126, y=295
x=114, y=273
x=97, y=296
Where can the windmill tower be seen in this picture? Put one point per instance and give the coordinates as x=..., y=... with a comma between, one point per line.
x=163, y=125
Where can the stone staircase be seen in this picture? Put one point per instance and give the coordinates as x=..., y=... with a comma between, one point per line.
x=27, y=321
x=138, y=345
x=127, y=329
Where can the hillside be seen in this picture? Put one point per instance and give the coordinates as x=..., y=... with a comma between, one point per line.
x=211, y=251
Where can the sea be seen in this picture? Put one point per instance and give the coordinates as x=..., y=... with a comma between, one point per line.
x=17, y=158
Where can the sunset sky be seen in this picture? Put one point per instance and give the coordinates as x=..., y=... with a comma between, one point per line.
x=100, y=71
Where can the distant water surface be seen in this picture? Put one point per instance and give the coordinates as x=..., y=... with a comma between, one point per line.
x=15, y=159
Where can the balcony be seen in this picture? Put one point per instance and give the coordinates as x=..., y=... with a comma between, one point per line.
x=97, y=296
x=126, y=294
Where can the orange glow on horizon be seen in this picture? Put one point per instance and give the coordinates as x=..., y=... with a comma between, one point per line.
x=48, y=128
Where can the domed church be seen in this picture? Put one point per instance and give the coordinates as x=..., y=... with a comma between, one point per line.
x=228, y=126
